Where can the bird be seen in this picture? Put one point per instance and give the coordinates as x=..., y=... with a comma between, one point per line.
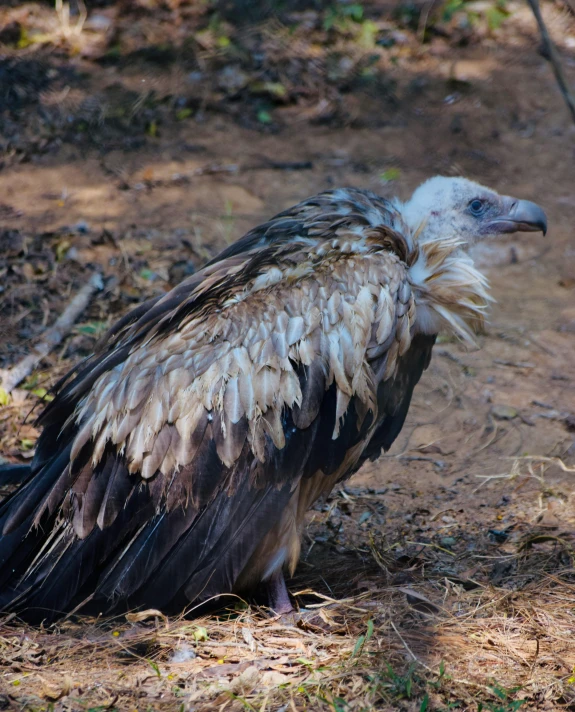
x=177, y=462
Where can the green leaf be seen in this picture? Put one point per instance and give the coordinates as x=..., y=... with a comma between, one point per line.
x=24, y=41
x=495, y=17
x=390, y=175
x=305, y=661
x=43, y=394
x=61, y=248
x=424, y=703
x=27, y=444
x=152, y=129
x=358, y=646
x=183, y=114
x=450, y=8
x=4, y=397
x=264, y=117
x=354, y=11
x=369, y=632
x=368, y=34
x=275, y=89
x=499, y=692
x=155, y=668
x=31, y=381
x=200, y=634
x=92, y=328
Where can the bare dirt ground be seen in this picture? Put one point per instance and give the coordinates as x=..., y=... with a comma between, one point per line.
x=442, y=575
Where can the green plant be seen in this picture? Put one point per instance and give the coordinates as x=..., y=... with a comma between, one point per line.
x=494, y=14
x=504, y=704
x=340, y=15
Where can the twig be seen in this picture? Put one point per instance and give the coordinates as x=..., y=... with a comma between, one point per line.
x=553, y=57
x=268, y=164
x=513, y=364
x=53, y=336
x=423, y=18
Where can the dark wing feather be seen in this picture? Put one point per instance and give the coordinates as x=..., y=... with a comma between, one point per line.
x=14, y=474
x=394, y=396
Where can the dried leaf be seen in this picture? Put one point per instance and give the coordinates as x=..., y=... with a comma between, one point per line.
x=420, y=602
x=145, y=615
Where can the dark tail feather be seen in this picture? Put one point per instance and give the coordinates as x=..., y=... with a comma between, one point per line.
x=67, y=571
x=226, y=560
x=13, y=474
x=16, y=508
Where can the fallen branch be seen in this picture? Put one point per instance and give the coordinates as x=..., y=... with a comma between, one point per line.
x=553, y=57
x=53, y=336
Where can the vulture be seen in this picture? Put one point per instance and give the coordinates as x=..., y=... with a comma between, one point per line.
x=176, y=464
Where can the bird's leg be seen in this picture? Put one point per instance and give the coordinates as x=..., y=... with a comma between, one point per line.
x=278, y=594
x=281, y=605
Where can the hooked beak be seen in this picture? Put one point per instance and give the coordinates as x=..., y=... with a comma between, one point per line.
x=520, y=216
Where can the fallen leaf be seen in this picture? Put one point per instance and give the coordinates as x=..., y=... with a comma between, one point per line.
x=419, y=601
x=145, y=615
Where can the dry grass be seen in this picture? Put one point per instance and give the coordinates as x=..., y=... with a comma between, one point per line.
x=470, y=627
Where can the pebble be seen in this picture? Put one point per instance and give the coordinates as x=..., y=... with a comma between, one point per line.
x=448, y=541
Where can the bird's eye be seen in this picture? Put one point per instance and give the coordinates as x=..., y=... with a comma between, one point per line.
x=476, y=206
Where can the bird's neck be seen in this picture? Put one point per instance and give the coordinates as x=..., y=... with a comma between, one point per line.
x=452, y=294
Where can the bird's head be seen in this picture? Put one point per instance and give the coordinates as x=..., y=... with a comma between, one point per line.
x=447, y=208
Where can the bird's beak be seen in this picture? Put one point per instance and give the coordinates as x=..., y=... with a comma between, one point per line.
x=520, y=216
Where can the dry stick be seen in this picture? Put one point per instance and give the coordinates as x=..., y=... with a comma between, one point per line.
x=553, y=57
x=53, y=336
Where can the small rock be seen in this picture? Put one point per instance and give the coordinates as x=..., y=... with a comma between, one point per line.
x=232, y=79
x=448, y=541
x=81, y=227
x=98, y=23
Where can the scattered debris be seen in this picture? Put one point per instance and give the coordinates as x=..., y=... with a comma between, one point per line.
x=53, y=336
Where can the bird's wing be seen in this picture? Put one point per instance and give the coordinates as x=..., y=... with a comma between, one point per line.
x=169, y=455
